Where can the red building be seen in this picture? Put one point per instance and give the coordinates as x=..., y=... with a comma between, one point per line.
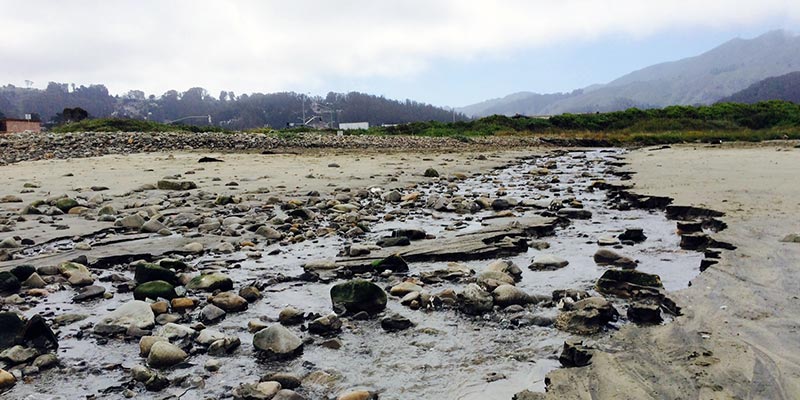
x=10, y=125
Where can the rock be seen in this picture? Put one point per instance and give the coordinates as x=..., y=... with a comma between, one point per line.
x=500, y=204
x=548, y=262
x=8, y=282
x=607, y=241
x=10, y=198
x=285, y=394
x=89, y=293
x=46, y=361
x=260, y=391
x=154, y=290
x=153, y=226
x=574, y=213
x=80, y=279
x=152, y=380
x=9, y=243
x=11, y=327
x=65, y=204
x=290, y=316
x=269, y=233
x=7, y=380
x=229, y=301
x=635, y=235
x=791, y=238
x=250, y=293
x=167, y=184
x=147, y=342
x=208, y=336
x=287, y=381
x=507, y=267
x=34, y=281
x=181, y=304
x=165, y=354
x=605, y=256
x=492, y=279
x=212, y=365
x=410, y=233
x=18, y=354
x=212, y=314
x=320, y=265
x=394, y=242
x=359, y=250
x=625, y=283
x=146, y=272
x=224, y=346
x=394, y=263
x=278, y=342
x=474, y=300
x=134, y=221
x=645, y=313
x=506, y=295
x=135, y=312
x=393, y=196
x=194, y=248
x=358, y=395
x=358, y=295
x=404, y=288
x=23, y=272
x=211, y=282
x=575, y=354
x=38, y=333
x=325, y=325
x=395, y=322
x=528, y=395
x=587, y=316
x=431, y=173
x=173, y=331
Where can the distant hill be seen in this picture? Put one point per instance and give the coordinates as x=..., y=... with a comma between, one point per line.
x=784, y=87
x=228, y=110
x=702, y=79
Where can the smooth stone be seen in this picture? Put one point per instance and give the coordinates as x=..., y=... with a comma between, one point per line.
x=165, y=354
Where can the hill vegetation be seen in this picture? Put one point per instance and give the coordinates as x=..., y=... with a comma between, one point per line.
x=784, y=87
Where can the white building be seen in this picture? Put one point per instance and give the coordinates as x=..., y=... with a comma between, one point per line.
x=347, y=126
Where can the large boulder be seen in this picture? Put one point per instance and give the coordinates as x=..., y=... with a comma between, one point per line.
x=146, y=272
x=276, y=341
x=155, y=290
x=628, y=283
x=394, y=263
x=587, y=316
x=133, y=313
x=474, y=300
x=11, y=326
x=8, y=282
x=210, y=282
x=358, y=295
x=506, y=295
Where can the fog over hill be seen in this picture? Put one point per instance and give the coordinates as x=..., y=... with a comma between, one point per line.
x=702, y=79
x=784, y=87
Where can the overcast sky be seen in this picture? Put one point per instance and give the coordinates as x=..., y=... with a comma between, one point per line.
x=446, y=52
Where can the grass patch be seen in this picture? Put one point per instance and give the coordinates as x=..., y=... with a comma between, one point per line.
x=129, y=125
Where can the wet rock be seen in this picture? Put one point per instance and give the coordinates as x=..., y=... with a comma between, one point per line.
x=80, y=279
x=260, y=391
x=181, y=304
x=153, y=226
x=635, y=235
x=10, y=198
x=575, y=354
x=147, y=342
x=135, y=312
x=146, y=272
x=173, y=331
x=8, y=282
x=229, y=301
x=395, y=322
x=605, y=256
x=574, y=213
x=89, y=293
x=410, y=233
x=152, y=380
x=46, y=361
x=7, y=380
x=431, y=173
x=34, y=281
x=154, y=290
x=290, y=316
x=165, y=354
x=212, y=365
x=548, y=262
x=791, y=238
x=168, y=184
x=607, y=241
x=286, y=394
x=492, y=279
x=474, y=300
x=18, y=354
x=404, y=288
x=65, y=204
x=506, y=295
x=269, y=233
x=358, y=295
x=325, y=325
x=394, y=242
x=211, y=282
x=645, y=313
x=625, y=283
x=528, y=395
x=587, y=316
x=250, y=293
x=38, y=333
x=358, y=395
x=194, y=248
x=276, y=341
x=507, y=267
x=500, y=204
x=11, y=326
x=9, y=243
x=394, y=263
x=212, y=314
x=23, y=272
x=287, y=381
x=134, y=221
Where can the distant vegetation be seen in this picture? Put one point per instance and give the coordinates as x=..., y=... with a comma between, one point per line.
x=784, y=87
x=129, y=125
x=227, y=110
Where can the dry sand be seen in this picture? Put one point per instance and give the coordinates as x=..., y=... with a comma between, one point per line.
x=740, y=335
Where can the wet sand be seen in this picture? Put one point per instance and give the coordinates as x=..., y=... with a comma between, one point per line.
x=738, y=337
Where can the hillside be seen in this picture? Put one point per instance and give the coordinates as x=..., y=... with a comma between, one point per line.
x=784, y=87
x=702, y=79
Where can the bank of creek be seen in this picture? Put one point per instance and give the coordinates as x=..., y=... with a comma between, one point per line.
x=486, y=276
